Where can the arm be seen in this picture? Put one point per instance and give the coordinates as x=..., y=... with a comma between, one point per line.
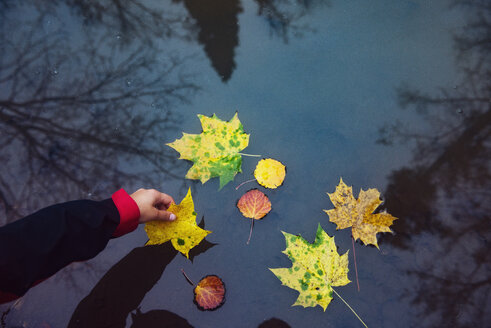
x=37, y=246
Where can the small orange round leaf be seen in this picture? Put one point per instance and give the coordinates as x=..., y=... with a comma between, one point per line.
x=209, y=294
x=254, y=204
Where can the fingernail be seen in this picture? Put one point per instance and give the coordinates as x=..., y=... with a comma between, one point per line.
x=172, y=217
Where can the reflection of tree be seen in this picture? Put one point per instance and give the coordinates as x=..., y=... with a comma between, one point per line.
x=443, y=200
x=82, y=120
x=217, y=22
x=218, y=26
x=127, y=21
x=283, y=16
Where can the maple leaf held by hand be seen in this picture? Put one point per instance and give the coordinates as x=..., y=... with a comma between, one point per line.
x=358, y=213
x=184, y=233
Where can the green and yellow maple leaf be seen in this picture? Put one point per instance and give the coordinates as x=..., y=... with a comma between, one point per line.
x=315, y=268
x=215, y=152
x=358, y=213
x=184, y=233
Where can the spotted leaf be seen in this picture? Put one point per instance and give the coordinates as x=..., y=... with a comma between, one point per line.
x=315, y=268
x=184, y=233
x=358, y=213
x=215, y=152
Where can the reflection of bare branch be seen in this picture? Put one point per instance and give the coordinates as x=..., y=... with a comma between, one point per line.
x=475, y=39
x=283, y=16
x=127, y=21
x=83, y=120
x=443, y=199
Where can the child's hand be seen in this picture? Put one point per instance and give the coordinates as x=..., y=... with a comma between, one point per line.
x=153, y=205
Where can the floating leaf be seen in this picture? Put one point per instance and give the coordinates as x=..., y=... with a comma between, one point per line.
x=215, y=152
x=209, y=294
x=315, y=268
x=270, y=173
x=254, y=204
x=184, y=233
x=358, y=214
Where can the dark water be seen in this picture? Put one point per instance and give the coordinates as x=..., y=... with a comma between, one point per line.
x=393, y=95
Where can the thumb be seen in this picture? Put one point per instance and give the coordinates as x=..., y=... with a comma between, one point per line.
x=165, y=215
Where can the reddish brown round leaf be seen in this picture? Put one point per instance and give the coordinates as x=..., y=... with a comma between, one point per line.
x=209, y=294
x=254, y=204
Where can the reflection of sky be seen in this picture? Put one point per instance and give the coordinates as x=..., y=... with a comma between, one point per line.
x=316, y=104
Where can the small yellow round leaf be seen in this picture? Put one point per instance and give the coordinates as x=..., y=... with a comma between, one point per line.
x=270, y=173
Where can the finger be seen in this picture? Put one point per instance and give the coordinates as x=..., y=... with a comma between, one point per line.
x=165, y=216
x=164, y=199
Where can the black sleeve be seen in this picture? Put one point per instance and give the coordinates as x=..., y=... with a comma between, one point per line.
x=37, y=246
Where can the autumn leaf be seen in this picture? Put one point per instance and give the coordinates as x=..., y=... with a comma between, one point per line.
x=315, y=268
x=254, y=205
x=184, y=233
x=270, y=173
x=358, y=213
x=209, y=293
x=215, y=152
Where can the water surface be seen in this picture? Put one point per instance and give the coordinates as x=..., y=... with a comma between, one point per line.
x=392, y=95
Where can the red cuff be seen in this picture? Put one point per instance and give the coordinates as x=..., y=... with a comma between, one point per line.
x=129, y=213
x=7, y=297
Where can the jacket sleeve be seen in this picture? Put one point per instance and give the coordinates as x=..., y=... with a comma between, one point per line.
x=37, y=246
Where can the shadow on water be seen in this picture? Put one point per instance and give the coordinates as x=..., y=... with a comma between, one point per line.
x=122, y=289
x=274, y=323
x=442, y=199
x=201, y=247
x=163, y=318
x=157, y=319
x=79, y=119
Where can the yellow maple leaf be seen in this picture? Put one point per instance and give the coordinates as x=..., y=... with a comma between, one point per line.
x=358, y=213
x=215, y=152
x=315, y=268
x=270, y=173
x=184, y=233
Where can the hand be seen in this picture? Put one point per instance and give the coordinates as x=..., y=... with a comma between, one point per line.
x=153, y=205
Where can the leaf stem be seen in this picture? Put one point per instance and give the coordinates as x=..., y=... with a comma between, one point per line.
x=335, y=292
x=249, y=155
x=250, y=232
x=356, y=269
x=187, y=278
x=243, y=183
